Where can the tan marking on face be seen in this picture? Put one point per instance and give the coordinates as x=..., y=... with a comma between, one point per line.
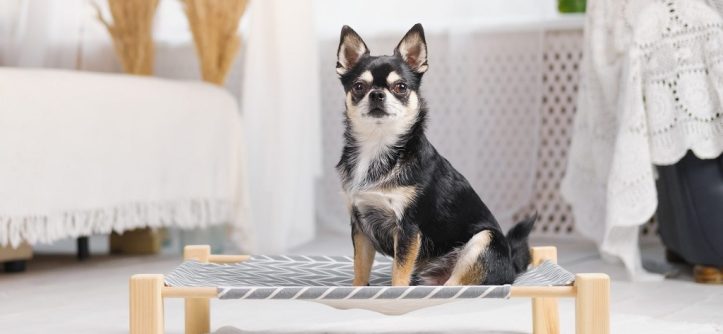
x=413, y=103
x=393, y=77
x=468, y=270
x=350, y=108
x=363, y=258
x=402, y=269
x=367, y=77
x=353, y=110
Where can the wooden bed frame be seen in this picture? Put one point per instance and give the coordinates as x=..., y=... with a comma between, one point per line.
x=591, y=293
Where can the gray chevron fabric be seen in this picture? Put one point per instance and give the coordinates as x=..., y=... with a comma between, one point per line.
x=546, y=274
x=330, y=277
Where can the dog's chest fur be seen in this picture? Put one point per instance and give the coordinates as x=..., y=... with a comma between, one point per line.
x=375, y=198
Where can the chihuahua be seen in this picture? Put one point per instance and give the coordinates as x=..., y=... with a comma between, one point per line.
x=406, y=200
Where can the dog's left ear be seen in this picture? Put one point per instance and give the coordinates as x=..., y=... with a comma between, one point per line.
x=351, y=49
x=413, y=49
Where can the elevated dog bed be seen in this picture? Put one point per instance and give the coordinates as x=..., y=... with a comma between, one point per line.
x=327, y=280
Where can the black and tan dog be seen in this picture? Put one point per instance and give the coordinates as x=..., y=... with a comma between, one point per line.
x=405, y=199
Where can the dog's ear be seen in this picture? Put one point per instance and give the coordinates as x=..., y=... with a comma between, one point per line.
x=413, y=49
x=351, y=50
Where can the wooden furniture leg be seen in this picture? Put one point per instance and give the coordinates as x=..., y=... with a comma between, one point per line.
x=545, y=317
x=140, y=241
x=708, y=274
x=83, y=244
x=592, y=304
x=198, y=311
x=14, y=259
x=146, y=304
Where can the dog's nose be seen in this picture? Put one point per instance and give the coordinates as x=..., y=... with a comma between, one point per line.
x=377, y=95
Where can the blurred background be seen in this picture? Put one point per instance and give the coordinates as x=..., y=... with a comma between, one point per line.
x=129, y=129
x=292, y=110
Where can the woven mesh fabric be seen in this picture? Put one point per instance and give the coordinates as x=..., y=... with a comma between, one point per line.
x=330, y=277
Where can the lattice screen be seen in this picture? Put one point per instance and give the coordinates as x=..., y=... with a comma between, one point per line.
x=561, y=55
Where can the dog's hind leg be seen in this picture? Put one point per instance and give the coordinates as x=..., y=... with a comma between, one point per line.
x=469, y=269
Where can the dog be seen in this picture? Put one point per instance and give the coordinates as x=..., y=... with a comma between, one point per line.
x=405, y=200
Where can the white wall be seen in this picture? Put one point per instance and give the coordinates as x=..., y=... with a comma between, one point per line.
x=381, y=16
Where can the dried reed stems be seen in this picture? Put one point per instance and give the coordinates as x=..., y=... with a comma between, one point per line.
x=214, y=24
x=131, y=30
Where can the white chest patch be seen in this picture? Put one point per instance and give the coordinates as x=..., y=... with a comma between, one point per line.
x=380, y=212
x=394, y=200
x=369, y=150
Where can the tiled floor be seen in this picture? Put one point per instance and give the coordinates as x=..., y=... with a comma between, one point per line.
x=60, y=295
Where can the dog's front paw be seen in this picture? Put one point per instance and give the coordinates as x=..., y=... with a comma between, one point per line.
x=356, y=282
x=400, y=282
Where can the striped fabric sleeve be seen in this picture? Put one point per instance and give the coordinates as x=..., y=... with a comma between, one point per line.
x=329, y=278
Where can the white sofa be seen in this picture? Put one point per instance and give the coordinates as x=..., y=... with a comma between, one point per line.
x=88, y=153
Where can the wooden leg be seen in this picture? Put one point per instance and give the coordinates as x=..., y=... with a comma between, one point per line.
x=545, y=316
x=23, y=252
x=198, y=314
x=198, y=310
x=708, y=275
x=592, y=304
x=146, y=304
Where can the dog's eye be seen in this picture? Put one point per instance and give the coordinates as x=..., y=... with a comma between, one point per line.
x=358, y=87
x=400, y=88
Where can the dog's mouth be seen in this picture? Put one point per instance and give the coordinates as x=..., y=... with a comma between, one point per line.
x=377, y=113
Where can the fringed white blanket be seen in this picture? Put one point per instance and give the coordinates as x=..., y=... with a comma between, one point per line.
x=651, y=89
x=85, y=153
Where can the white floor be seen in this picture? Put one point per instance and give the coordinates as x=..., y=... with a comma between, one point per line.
x=59, y=295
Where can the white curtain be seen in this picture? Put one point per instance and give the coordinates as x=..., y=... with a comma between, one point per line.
x=281, y=106
x=41, y=33
x=646, y=98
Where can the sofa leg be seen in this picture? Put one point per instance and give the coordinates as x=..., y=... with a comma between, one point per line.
x=146, y=304
x=592, y=304
x=545, y=317
x=16, y=266
x=198, y=311
x=83, y=244
x=14, y=259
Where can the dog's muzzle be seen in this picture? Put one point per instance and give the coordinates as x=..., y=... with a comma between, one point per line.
x=376, y=103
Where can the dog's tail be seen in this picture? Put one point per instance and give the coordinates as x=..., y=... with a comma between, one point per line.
x=517, y=238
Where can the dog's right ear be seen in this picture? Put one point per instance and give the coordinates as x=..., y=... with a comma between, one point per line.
x=351, y=50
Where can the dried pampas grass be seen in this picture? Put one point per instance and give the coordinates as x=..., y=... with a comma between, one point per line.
x=131, y=30
x=214, y=24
